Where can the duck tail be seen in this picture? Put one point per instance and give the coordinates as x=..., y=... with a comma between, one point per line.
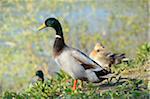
x=121, y=56
x=118, y=58
x=103, y=74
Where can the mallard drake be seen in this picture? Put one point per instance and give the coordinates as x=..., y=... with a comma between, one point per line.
x=105, y=58
x=74, y=62
x=40, y=81
x=39, y=76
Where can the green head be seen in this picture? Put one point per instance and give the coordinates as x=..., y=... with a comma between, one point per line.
x=51, y=22
x=40, y=74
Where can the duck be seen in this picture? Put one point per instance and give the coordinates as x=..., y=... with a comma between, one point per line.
x=104, y=57
x=39, y=76
x=40, y=81
x=73, y=61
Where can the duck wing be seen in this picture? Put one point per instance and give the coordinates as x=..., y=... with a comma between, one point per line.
x=94, y=70
x=85, y=61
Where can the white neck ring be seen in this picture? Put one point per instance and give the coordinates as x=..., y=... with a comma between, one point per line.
x=57, y=36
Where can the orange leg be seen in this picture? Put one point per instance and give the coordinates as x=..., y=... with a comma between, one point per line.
x=75, y=84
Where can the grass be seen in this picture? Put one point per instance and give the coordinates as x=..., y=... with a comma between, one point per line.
x=23, y=49
x=128, y=87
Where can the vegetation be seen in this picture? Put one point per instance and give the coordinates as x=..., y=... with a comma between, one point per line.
x=121, y=25
x=60, y=85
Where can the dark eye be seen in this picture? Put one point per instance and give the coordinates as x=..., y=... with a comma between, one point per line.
x=98, y=50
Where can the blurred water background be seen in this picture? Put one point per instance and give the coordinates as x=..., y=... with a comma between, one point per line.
x=121, y=25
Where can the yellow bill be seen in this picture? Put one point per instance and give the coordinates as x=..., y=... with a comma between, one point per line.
x=42, y=27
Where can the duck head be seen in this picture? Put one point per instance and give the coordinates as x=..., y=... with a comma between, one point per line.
x=54, y=23
x=99, y=47
x=40, y=74
x=97, y=51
